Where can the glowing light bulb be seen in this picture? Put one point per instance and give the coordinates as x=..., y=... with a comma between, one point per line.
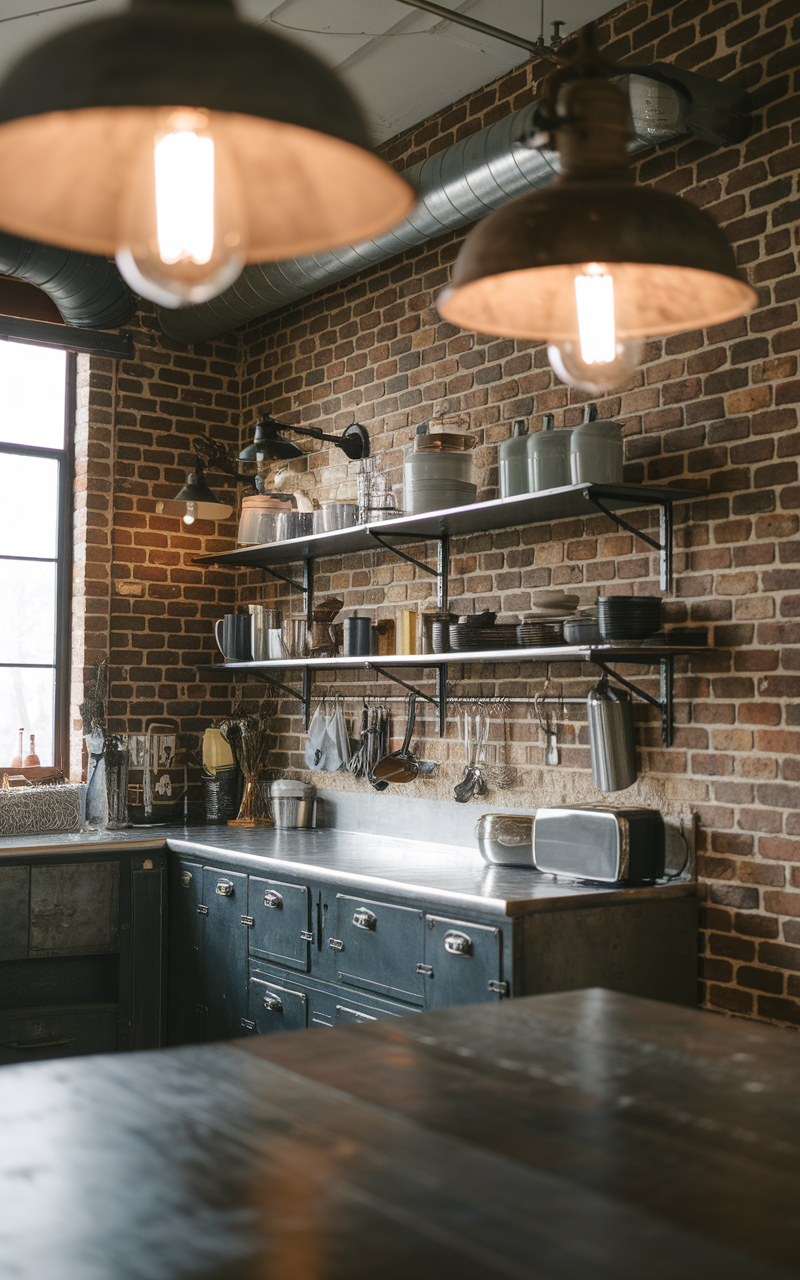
x=599, y=361
x=183, y=234
x=191, y=513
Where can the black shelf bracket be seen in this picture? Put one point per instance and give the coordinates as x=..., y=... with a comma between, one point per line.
x=664, y=547
x=380, y=538
x=663, y=702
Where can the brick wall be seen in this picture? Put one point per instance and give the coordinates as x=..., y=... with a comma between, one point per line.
x=713, y=411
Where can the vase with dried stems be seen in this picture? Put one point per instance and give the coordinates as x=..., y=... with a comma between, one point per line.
x=250, y=738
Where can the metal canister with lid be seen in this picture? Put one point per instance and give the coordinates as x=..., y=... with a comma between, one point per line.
x=293, y=803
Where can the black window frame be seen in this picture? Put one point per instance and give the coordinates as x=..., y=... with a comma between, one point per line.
x=63, y=559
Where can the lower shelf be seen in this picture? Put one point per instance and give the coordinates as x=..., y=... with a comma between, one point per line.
x=644, y=653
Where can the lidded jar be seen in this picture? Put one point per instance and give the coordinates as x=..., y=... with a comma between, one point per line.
x=548, y=457
x=596, y=450
x=512, y=458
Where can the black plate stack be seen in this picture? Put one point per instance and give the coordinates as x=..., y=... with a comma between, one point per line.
x=628, y=617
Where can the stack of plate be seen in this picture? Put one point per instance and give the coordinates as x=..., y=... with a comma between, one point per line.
x=437, y=495
x=552, y=604
x=628, y=617
x=530, y=634
x=463, y=637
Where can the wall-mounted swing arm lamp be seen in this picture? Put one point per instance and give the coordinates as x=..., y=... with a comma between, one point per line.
x=593, y=264
x=186, y=142
x=196, y=501
x=268, y=444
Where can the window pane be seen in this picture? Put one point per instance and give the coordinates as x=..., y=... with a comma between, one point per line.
x=32, y=395
x=28, y=505
x=26, y=702
x=27, y=611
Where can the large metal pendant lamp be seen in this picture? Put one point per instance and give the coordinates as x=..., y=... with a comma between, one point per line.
x=593, y=264
x=187, y=143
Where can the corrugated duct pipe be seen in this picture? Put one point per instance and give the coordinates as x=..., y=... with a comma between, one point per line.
x=464, y=182
x=87, y=290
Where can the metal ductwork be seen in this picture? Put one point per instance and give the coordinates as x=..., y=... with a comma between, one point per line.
x=87, y=290
x=463, y=183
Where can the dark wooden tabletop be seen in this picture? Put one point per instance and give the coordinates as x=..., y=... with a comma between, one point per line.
x=581, y=1135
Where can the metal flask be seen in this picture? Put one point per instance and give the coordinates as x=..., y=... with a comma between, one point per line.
x=611, y=737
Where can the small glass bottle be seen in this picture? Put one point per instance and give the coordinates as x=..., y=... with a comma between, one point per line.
x=31, y=760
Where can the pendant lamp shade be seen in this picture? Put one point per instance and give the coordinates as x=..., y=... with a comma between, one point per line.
x=76, y=113
x=195, y=501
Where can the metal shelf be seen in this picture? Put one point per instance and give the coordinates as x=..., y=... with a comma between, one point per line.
x=600, y=655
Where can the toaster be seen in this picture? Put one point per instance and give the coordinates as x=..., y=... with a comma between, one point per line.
x=614, y=846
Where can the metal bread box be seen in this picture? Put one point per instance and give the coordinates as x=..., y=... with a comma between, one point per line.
x=614, y=846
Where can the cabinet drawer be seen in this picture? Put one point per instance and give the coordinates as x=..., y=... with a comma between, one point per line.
x=342, y=1009
x=463, y=963
x=271, y=1007
x=28, y=1035
x=378, y=947
x=281, y=915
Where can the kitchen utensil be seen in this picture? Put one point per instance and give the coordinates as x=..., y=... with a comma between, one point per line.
x=548, y=723
x=474, y=728
x=548, y=457
x=221, y=793
x=400, y=766
x=358, y=760
x=377, y=745
x=262, y=620
x=235, y=643
x=512, y=461
x=506, y=840
x=628, y=617
x=440, y=632
x=611, y=737
x=259, y=520
x=293, y=803
x=294, y=524
x=581, y=631
x=499, y=773
x=595, y=451
x=357, y=636
x=335, y=515
x=294, y=634
x=251, y=737
x=611, y=845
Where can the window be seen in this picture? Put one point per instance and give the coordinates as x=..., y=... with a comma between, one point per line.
x=36, y=410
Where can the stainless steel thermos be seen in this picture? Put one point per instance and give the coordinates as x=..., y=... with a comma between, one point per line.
x=611, y=738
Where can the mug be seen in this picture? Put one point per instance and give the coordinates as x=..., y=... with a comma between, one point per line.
x=263, y=620
x=235, y=645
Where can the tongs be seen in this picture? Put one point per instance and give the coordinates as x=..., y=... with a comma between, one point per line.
x=475, y=731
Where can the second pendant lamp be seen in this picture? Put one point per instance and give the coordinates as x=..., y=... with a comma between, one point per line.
x=594, y=264
x=186, y=143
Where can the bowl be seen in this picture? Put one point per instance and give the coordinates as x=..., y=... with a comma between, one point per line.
x=582, y=631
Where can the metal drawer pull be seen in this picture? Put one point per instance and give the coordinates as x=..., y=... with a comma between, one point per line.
x=458, y=944
x=186, y=879
x=273, y=1002
x=247, y=1024
x=426, y=969
x=364, y=919
x=306, y=936
x=500, y=988
x=336, y=943
x=273, y=899
x=247, y=921
x=225, y=888
x=201, y=909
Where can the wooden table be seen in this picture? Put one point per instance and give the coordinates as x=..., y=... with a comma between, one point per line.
x=584, y=1134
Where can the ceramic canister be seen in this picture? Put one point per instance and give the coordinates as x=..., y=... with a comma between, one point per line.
x=596, y=451
x=548, y=457
x=512, y=459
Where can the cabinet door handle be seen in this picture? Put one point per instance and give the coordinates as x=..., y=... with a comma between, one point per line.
x=36, y=1044
x=425, y=969
x=225, y=888
x=247, y=1024
x=273, y=1002
x=186, y=879
x=273, y=899
x=498, y=988
x=336, y=943
x=306, y=936
x=458, y=944
x=364, y=919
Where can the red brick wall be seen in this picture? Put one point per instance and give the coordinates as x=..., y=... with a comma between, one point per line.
x=712, y=411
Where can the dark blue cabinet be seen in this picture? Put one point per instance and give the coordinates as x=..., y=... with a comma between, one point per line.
x=281, y=916
x=463, y=963
x=185, y=953
x=379, y=947
x=224, y=952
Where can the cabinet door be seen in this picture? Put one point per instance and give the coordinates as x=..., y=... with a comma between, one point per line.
x=379, y=947
x=14, y=905
x=74, y=909
x=463, y=963
x=274, y=1007
x=224, y=953
x=281, y=915
x=185, y=1000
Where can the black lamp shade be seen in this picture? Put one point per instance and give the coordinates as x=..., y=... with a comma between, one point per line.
x=196, y=499
x=76, y=111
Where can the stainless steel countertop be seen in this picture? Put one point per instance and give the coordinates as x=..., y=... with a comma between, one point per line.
x=408, y=869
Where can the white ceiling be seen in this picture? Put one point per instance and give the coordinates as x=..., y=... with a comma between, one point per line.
x=401, y=63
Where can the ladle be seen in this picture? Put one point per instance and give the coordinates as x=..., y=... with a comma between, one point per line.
x=400, y=766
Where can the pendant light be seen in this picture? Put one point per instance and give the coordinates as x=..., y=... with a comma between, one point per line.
x=195, y=501
x=186, y=143
x=593, y=264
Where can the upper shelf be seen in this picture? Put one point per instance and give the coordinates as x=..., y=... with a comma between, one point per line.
x=576, y=500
